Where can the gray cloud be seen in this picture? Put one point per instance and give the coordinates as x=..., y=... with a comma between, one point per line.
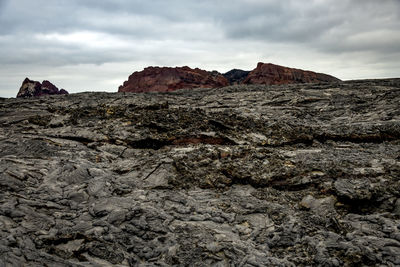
x=326, y=25
x=347, y=38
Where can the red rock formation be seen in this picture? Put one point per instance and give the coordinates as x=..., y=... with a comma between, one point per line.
x=164, y=79
x=267, y=73
x=31, y=88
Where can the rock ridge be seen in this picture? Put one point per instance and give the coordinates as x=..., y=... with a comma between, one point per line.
x=165, y=79
x=271, y=74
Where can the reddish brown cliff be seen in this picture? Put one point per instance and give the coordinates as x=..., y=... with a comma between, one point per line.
x=31, y=88
x=267, y=73
x=164, y=79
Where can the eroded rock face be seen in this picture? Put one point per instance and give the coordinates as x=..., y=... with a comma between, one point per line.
x=293, y=175
x=31, y=88
x=165, y=79
x=270, y=74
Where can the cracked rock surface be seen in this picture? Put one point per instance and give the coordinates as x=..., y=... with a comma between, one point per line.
x=295, y=175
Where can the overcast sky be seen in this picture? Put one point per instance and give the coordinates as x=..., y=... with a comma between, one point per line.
x=94, y=45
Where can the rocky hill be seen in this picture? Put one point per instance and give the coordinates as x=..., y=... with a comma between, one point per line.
x=271, y=74
x=31, y=88
x=165, y=79
x=236, y=76
x=293, y=175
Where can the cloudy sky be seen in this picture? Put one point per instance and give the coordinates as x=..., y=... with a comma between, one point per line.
x=93, y=45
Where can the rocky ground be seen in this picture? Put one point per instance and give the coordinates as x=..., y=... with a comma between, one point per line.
x=295, y=175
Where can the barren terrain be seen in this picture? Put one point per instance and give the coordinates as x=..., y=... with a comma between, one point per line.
x=292, y=175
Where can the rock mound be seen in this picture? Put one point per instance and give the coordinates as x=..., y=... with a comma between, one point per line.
x=270, y=74
x=164, y=79
x=236, y=76
x=31, y=88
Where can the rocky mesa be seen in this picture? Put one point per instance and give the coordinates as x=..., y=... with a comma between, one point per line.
x=267, y=73
x=165, y=79
x=31, y=88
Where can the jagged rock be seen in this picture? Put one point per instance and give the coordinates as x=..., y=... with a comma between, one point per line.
x=322, y=207
x=31, y=88
x=255, y=175
x=267, y=73
x=236, y=76
x=165, y=79
x=396, y=209
x=354, y=189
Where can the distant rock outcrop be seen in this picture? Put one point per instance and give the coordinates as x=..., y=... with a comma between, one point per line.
x=31, y=88
x=267, y=73
x=164, y=79
x=236, y=76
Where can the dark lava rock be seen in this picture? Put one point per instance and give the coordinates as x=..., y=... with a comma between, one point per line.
x=267, y=73
x=236, y=76
x=165, y=79
x=31, y=88
x=293, y=175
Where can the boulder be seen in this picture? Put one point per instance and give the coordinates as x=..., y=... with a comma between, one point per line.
x=270, y=74
x=165, y=79
x=31, y=88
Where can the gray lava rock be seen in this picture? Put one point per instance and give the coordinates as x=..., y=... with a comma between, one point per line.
x=353, y=189
x=294, y=175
